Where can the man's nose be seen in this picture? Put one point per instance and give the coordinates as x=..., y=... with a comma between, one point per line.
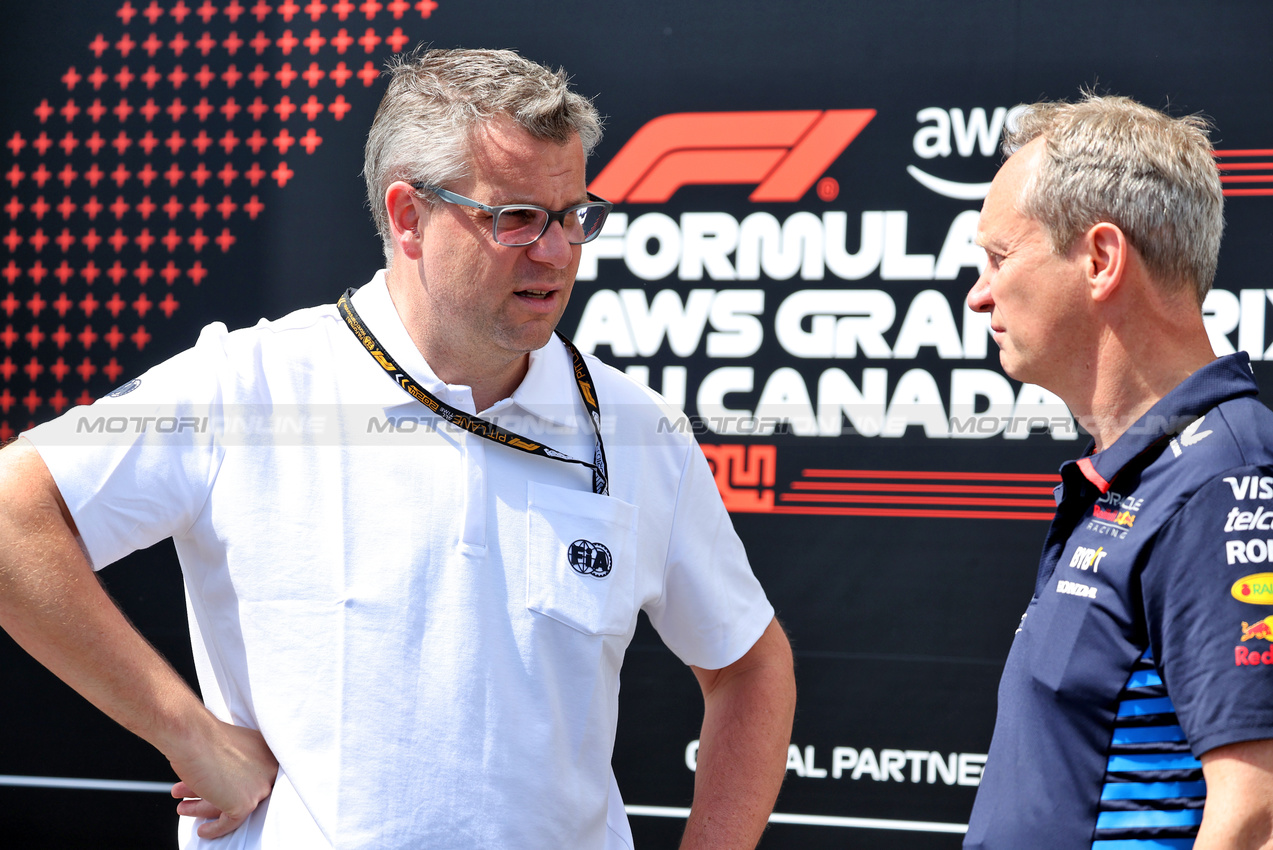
x=552, y=248
x=979, y=300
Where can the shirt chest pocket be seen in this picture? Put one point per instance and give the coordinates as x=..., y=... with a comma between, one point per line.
x=581, y=565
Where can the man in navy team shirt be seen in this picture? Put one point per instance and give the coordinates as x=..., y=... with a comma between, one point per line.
x=1136, y=706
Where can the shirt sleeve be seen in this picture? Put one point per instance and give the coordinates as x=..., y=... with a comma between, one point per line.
x=713, y=609
x=136, y=466
x=1209, y=606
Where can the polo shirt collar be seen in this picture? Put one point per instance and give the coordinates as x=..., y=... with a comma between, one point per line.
x=548, y=390
x=1219, y=381
x=376, y=308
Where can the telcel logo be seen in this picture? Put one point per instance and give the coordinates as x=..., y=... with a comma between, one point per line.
x=784, y=152
x=1240, y=520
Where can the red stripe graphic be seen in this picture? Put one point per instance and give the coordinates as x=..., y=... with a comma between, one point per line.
x=945, y=475
x=915, y=500
x=1227, y=165
x=747, y=479
x=923, y=488
x=914, y=513
x=877, y=492
x=1246, y=166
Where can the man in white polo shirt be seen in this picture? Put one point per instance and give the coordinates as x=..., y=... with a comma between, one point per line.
x=415, y=526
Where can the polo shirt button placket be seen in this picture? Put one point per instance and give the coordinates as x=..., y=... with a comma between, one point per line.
x=474, y=458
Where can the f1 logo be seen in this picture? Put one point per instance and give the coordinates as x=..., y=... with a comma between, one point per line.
x=783, y=152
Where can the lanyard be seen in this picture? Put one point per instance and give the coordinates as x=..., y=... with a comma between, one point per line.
x=477, y=425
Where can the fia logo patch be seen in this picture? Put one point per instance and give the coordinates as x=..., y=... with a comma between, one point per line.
x=590, y=559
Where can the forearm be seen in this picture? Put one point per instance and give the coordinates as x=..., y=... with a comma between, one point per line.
x=1235, y=825
x=742, y=753
x=1239, y=809
x=1256, y=837
x=52, y=604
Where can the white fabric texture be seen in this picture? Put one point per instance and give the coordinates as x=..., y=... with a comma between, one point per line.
x=391, y=601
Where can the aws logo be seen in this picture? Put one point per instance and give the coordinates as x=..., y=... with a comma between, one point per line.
x=952, y=131
x=782, y=153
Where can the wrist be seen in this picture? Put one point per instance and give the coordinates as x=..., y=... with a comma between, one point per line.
x=181, y=726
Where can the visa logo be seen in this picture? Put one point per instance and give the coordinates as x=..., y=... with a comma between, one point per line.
x=1251, y=486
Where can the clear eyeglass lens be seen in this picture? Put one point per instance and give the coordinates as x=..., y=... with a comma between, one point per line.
x=520, y=225
x=523, y=225
x=589, y=219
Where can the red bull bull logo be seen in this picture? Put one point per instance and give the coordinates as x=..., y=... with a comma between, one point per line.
x=1259, y=630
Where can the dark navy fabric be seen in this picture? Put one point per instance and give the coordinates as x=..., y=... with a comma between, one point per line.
x=1146, y=642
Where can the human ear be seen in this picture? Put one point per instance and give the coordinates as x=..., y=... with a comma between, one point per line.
x=404, y=218
x=1106, y=258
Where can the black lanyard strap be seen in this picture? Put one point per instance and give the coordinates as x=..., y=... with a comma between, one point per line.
x=477, y=425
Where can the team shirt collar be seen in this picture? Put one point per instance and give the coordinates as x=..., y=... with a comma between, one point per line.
x=1223, y=379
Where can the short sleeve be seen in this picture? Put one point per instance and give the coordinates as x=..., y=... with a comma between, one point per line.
x=136, y=466
x=1208, y=595
x=713, y=609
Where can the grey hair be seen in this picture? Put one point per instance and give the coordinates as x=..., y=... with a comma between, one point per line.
x=1111, y=159
x=437, y=99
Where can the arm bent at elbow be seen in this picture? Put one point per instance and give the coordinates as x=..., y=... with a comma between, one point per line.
x=53, y=606
x=742, y=755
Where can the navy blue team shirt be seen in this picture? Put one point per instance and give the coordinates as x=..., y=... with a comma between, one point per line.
x=1147, y=642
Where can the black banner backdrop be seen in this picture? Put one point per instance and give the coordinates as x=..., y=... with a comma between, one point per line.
x=796, y=189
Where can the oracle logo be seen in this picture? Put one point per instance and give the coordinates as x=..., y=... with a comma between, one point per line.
x=783, y=153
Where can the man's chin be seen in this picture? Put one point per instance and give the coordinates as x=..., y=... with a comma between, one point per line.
x=533, y=336
x=1012, y=367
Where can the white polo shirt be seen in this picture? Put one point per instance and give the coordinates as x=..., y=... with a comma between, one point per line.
x=392, y=602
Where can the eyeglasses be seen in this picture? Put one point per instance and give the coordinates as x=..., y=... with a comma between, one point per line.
x=518, y=225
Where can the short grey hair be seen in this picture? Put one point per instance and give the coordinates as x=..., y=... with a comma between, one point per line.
x=437, y=99
x=1111, y=159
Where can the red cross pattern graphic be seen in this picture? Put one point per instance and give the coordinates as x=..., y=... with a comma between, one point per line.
x=150, y=155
